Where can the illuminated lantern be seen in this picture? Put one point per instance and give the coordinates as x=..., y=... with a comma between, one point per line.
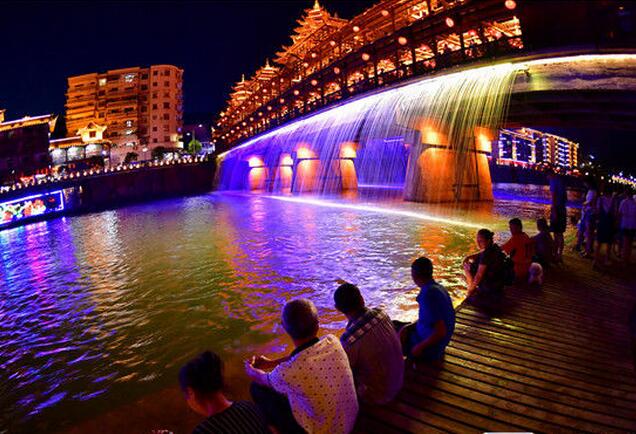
x=402, y=40
x=282, y=100
x=332, y=43
x=296, y=92
x=356, y=29
x=305, y=64
x=510, y=4
x=244, y=124
x=449, y=22
x=385, y=13
x=336, y=70
x=269, y=107
x=314, y=55
x=365, y=56
x=314, y=82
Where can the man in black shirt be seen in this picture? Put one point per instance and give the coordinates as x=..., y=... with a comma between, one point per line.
x=201, y=380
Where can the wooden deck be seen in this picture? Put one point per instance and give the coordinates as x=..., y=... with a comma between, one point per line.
x=553, y=360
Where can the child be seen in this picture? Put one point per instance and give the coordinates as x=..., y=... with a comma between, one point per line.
x=519, y=247
x=544, y=247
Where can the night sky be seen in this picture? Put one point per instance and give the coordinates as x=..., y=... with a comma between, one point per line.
x=215, y=42
x=42, y=43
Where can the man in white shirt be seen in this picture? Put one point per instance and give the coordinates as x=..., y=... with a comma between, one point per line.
x=627, y=215
x=311, y=390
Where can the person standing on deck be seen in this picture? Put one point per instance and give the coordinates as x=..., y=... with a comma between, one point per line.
x=372, y=345
x=627, y=216
x=311, y=390
x=427, y=338
x=558, y=213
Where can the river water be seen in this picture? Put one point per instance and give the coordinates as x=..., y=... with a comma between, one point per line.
x=101, y=309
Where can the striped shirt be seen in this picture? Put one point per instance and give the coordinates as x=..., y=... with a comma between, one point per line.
x=375, y=354
x=242, y=417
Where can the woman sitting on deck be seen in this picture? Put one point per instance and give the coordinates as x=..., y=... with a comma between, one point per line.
x=486, y=270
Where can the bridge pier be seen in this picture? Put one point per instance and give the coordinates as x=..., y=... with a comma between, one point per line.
x=442, y=173
x=311, y=174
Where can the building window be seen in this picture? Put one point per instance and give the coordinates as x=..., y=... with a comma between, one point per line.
x=166, y=105
x=166, y=73
x=154, y=128
x=166, y=128
x=154, y=73
x=154, y=140
x=166, y=83
x=102, y=82
x=129, y=123
x=92, y=134
x=166, y=116
x=129, y=78
x=166, y=94
x=144, y=76
x=155, y=84
x=155, y=107
x=144, y=87
x=166, y=138
x=144, y=109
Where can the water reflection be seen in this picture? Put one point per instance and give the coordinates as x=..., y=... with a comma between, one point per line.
x=100, y=309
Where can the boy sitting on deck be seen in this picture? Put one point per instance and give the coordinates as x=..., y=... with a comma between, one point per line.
x=544, y=247
x=519, y=247
x=372, y=345
x=201, y=380
x=426, y=339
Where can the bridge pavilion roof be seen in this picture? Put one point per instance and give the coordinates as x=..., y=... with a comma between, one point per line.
x=313, y=28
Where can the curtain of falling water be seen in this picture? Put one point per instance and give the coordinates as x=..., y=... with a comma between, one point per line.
x=380, y=129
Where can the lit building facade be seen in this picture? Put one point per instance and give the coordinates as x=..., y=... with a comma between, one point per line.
x=88, y=145
x=24, y=146
x=330, y=58
x=141, y=108
x=527, y=147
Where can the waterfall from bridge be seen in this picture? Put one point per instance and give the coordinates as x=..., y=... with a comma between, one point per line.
x=429, y=138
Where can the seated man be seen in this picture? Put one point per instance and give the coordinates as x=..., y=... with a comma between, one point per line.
x=373, y=347
x=312, y=390
x=519, y=247
x=486, y=271
x=201, y=380
x=427, y=338
x=544, y=247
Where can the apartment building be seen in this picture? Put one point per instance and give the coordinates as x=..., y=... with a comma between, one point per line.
x=525, y=146
x=141, y=108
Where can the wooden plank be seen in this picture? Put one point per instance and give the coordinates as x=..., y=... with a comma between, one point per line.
x=565, y=414
x=525, y=385
x=554, y=360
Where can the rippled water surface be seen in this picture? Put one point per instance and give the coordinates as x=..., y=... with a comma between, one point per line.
x=100, y=309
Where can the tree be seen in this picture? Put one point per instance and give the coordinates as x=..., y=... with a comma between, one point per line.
x=194, y=147
x=130, y=157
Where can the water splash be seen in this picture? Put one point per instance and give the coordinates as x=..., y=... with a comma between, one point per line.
x=379, y=139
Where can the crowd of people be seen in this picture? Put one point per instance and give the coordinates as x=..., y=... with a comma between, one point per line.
x=607, y=226
x=319, y=386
